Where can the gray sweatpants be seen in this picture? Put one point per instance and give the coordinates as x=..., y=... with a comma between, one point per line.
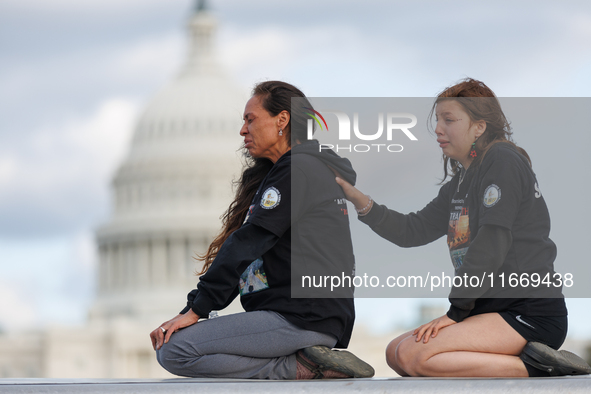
x=257, y=345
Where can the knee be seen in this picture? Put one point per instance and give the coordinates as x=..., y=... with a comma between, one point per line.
x=391, y=354
x=174, y=359
x=166, y=358
x=410, y=356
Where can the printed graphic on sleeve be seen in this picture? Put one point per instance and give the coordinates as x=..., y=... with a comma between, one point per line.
x=253, y=279
x=248, y=213
x=458, y=235
x=271, y=198
x=492, y=195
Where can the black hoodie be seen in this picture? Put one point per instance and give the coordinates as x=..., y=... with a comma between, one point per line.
x=329, y=158
x=299, y=215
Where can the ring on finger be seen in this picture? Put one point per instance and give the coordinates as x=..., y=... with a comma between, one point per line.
x=163, y=329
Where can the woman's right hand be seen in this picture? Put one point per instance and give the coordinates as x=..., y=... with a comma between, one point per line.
x=353, y=194
x=157, y=336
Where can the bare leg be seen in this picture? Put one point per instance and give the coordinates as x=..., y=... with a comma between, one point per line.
x=483, y=345
x=391, y=353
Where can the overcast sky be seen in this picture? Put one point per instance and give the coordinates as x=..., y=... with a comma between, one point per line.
x=75, y=74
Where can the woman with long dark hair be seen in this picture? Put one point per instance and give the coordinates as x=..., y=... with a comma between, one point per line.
x=496, y=222
x=268, y=228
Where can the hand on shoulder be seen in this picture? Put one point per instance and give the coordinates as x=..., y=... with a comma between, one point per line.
x=353, y=194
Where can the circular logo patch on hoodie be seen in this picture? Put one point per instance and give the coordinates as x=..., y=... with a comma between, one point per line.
x=271, y=198
x=492, y=195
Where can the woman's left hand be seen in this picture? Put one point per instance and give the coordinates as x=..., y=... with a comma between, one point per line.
x=431, y=329
x=162, y=334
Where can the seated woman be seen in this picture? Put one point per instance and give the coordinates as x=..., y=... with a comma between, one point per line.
x=496, y=221
x=278, y=337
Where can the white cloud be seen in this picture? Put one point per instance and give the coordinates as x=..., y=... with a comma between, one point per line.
x=581, y=27
x=84, y=252
x=249, y=56
x=90, y=5
x=70, y=80
x=56, y=179
x=323, y=60
x=145, y=59
x=78, y=150
x=7, y=169
x=15, y=311
x=101, y=139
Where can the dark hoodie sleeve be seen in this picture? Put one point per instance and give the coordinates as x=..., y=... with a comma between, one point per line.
x=193, y=293
x=485, y=254
x=219, y=285
x=414, y=229
x=190, y=297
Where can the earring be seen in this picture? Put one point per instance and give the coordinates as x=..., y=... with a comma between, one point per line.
x=473, y=153
x=280, y=132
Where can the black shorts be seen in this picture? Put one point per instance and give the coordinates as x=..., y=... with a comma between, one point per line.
x=549, y=330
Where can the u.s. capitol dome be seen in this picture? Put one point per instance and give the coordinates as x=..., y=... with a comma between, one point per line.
x=171, y=189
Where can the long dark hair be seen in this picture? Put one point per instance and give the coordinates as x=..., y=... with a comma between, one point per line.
x=254, y=172
x=276, y=97
x=480, y=102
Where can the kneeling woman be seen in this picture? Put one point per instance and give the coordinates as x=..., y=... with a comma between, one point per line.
x=278, y=337
x=496, y=221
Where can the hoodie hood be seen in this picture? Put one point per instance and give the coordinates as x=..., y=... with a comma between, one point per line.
x=329, y=157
